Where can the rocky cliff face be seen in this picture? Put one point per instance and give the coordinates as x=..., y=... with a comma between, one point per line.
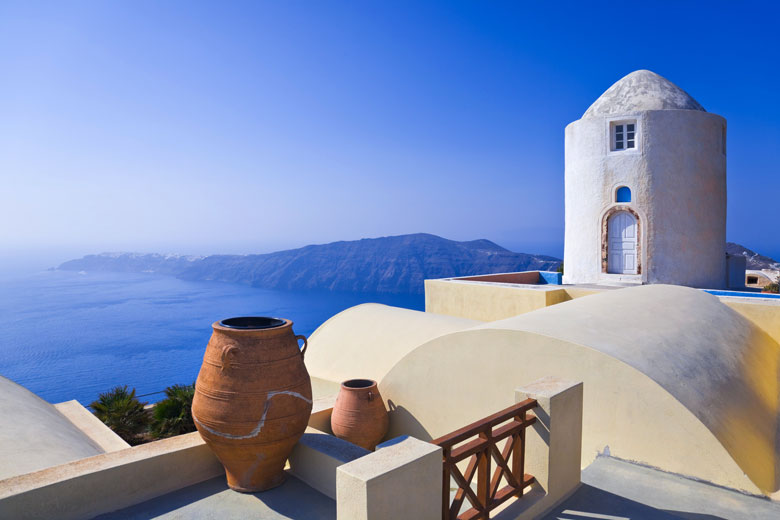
x=754, y=260
x=379, y=265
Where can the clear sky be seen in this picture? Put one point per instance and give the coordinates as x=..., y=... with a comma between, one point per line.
x=237, y=127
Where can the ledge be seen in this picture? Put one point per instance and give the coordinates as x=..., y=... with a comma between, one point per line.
x=92, y=427
x=125, y=477
x=88, y=487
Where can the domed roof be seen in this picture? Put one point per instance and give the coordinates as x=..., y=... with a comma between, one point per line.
x=35, y=435
x=642, y=90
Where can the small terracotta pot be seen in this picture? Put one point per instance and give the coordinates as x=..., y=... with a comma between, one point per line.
x=252, y=399
x=359, y=415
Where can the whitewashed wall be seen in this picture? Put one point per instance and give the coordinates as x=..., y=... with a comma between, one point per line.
x=677, y=178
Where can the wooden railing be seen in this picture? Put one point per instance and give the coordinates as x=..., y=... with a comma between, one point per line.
x=510, y=462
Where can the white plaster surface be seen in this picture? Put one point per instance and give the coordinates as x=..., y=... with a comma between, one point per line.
x=92, y=427
x=553, y=445
x=316, y=457
x=677, y=176
x=35, y=435
x=401, y=479
x=673, y=378
x=107, y=482
x=713, y=360
x=642, y=90
x=616, y=489
x=365, y=341
x=213, y=500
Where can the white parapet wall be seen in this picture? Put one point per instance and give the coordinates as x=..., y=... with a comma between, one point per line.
x=318, y=455
x=91, y=426
x=553, y=446
x=89, y=487
x=401, y=479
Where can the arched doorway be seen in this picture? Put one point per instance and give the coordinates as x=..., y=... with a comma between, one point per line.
x=622, y=243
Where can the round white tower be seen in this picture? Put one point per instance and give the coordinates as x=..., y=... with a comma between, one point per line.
x=646, y=188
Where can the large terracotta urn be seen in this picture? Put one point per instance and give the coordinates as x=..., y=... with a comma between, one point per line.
x=359, y=415
x=252, y=399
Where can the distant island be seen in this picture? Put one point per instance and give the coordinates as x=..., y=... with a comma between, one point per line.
x=392, y=265
x=388, y=265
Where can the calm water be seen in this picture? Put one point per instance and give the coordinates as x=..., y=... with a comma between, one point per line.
x=66, y=335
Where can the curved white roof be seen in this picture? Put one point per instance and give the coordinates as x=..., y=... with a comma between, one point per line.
x=673, y=377
x=35, y=435
x=368, y=340
x=642, y=90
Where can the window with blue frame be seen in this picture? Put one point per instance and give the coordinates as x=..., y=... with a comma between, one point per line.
x=623, y=194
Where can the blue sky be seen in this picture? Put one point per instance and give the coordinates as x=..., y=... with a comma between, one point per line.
x=205, y=127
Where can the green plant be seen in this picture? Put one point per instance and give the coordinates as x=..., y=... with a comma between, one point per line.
x=560, y=268
x=121, y=411
x=173, y=415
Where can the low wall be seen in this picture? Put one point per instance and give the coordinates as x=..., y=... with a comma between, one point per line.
x=481, y=301
x=89, y=487
x=526, y=277
x=401, y=479
x=112, y=481
x=521, y=278
x=491, y=300
x=763, y=313
x=92, y=427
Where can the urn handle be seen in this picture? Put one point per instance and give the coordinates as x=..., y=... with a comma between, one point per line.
x=228, y=353
x=305, y=343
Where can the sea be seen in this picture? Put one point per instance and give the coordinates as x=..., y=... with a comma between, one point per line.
x=72, y=335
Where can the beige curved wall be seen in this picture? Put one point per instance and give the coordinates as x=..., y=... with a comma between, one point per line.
x=35, y=435
x=624, y=411
x=367, y=340
x=718, y=364
x=673, y=377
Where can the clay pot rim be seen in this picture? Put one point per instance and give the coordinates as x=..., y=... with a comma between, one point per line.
x=358, y=384
x=286, y=324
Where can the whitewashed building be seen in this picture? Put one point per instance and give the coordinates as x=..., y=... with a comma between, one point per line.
x=646, y=188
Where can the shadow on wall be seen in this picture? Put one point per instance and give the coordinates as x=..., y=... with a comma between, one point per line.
x=412, y=426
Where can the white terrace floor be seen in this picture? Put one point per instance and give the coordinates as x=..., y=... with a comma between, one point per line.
x=213, y=500
x=611, y=490
x=616, y=490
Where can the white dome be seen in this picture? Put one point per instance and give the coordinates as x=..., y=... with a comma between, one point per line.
x=642, y=90
x=34, y=435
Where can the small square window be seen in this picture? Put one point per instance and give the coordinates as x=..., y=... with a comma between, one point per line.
x=623, y=136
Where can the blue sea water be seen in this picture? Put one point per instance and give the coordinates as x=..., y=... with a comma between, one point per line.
x=67, y=335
